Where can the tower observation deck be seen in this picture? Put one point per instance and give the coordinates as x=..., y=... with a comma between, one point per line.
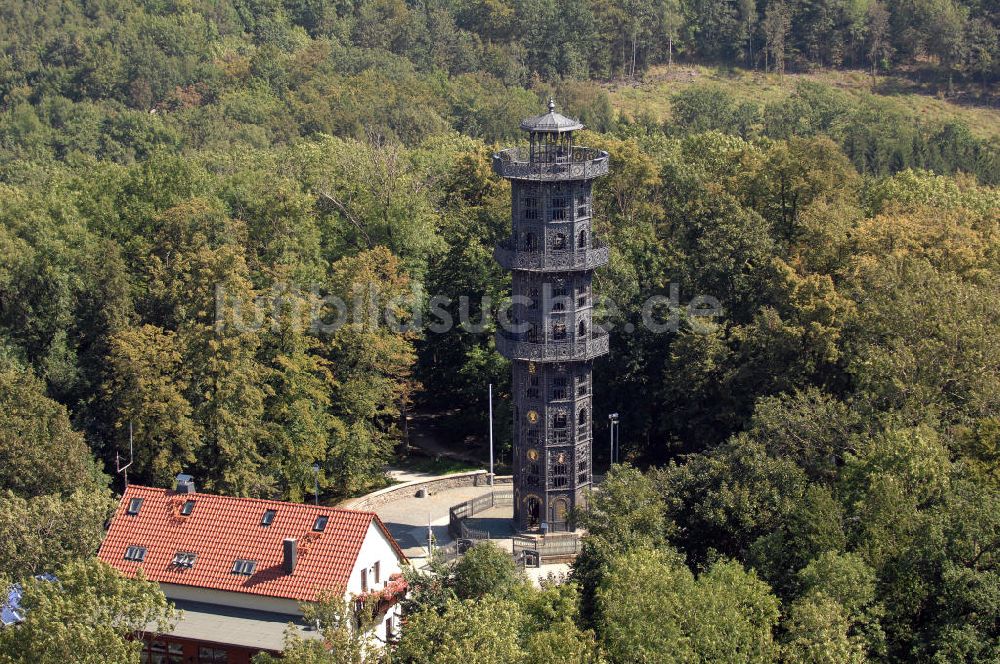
x=552, y=342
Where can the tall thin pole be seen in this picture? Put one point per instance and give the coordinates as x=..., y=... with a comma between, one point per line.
x=618, y=441
x=491, y=433
x=611, y=451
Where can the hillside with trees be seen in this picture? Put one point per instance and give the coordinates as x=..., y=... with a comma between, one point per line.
x=812, y=475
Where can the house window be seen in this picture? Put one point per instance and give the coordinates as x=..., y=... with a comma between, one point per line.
x=244, y=567
x=167, y=652
x=559, y=241
x=184, y=559
x=364, y=580
x=559, y=421
x=389, y=629
x=529, y=241
x=559, y=331
x=268, y=518
x=559, y=482
x=378, y=572
x=320, y=524
x=135, y=553
x=213, y=655
x=187, y=508
x=134, y=506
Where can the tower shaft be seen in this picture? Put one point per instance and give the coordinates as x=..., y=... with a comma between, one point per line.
x=551, y=339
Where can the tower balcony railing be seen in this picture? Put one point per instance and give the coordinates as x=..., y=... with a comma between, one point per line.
x=577, y=163
x=517, y=347
x=511, y=257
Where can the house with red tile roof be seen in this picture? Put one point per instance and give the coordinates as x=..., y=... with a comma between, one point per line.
x=240, y=567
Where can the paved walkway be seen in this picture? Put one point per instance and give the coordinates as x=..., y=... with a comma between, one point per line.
x=408, y=518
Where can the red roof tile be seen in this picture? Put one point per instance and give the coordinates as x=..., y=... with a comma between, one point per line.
x=221, y=530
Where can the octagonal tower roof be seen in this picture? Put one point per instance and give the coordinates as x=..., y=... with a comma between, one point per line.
x=550, y=122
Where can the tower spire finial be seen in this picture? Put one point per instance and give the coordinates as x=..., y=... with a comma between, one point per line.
x=552, y=105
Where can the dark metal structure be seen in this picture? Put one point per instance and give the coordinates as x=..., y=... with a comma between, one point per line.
x=551, y=339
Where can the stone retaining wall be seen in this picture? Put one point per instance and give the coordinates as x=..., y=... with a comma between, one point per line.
x=432, y=486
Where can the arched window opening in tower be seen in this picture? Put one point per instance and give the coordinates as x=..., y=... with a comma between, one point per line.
x=582, y=330
x=582, y=242
x=582, y=419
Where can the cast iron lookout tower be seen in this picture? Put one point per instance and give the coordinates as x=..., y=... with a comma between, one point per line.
x=552, y=342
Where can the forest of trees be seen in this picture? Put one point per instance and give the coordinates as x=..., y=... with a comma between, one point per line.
x=820, y=462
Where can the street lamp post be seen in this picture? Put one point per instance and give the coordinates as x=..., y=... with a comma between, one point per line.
x=491, y=434
x=316, y=485
x=613, y=421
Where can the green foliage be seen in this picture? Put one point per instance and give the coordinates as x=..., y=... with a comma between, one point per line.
x=87, y=615
x=40, y=533
x=345, y=639
x=464, y=632
x=726, y=614
x=39, y=450
x=485, y=570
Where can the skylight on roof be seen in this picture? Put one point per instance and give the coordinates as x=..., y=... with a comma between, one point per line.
x=135, y=553
x=134, y=506
x=268, y=518
x=320, y=524
x=187, y=508
x=184, y=559
x=244, y=567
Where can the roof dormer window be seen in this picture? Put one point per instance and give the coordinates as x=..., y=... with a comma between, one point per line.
x=320, y=524
x=134, y=506
x=187, y=508
x=268, y=518
x=184, y=559
x=135, y=553
x=244, y=567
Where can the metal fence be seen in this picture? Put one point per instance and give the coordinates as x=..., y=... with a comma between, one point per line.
x=527, y=551
x=532, y=551
x=457, y=514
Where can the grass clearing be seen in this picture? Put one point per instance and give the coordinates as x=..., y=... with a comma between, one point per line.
x=652, y=94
